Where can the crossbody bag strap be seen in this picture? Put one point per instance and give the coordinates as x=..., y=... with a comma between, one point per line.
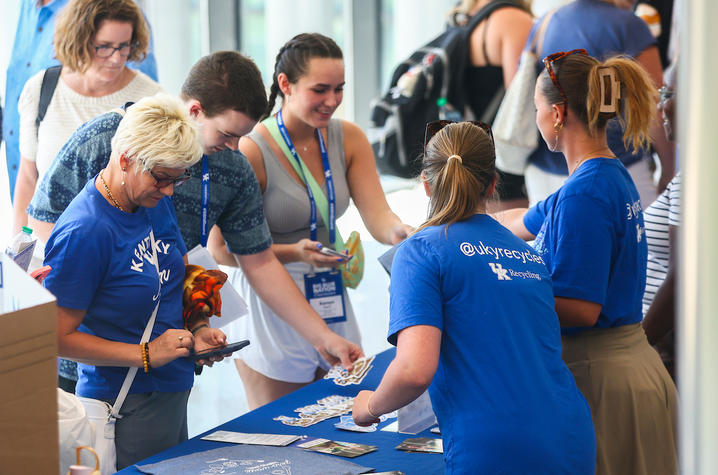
x=322, y=203
x=537, y=41
x=132, y=372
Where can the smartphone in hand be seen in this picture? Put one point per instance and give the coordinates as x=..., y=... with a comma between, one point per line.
x=218, y=351
x=328, y=251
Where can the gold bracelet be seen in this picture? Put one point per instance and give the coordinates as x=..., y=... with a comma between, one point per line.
x=367, y=407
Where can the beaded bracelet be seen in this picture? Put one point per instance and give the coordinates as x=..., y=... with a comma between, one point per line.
x=144, y=347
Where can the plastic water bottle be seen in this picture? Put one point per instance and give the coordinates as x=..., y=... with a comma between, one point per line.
x=447, y=111
x=21, y=248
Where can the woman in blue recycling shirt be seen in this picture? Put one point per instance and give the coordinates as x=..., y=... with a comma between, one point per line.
x=106, y=279
x=591, y=235
x=472, y=316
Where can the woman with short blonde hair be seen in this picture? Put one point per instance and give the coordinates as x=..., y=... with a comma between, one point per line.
x=117, y=260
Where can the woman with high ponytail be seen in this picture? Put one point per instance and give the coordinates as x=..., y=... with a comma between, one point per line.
x=300, y=142
x=591, y=235
x=472, y=316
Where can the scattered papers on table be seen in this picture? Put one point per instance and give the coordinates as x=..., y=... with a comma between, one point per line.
x=422, y=444
x=343, y=377
x=276, y=440
x=334, y=447
x=325, y=408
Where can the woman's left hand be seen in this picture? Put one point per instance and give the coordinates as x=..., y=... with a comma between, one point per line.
x=208, y=337
x=400, y=232
x=360, y=411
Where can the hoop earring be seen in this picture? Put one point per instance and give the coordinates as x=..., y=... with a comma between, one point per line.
x=557, y=130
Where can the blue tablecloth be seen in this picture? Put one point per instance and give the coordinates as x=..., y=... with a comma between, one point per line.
x=260, y=420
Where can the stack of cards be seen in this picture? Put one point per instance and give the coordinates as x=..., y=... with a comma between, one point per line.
x=333, y=447
x=347, y=423
x=343, y=377
x=422, y=444
x=325, y=408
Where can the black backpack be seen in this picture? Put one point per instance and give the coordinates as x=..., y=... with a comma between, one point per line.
x=430, y=83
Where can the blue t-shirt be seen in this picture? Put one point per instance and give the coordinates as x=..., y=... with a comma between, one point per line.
x=101, y=261
x=591, y=234
x=33, y=51
x=603, y=30
x=235, y=199
x=504, y=399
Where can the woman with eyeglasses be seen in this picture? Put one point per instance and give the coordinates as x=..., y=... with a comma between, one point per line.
x=117, y=264
x=93, y=41
x=591, y=235
x=472, y=317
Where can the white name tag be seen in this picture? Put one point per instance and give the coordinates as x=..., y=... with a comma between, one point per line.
x=325, y=293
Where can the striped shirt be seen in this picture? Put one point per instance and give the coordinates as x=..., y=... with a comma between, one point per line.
x=664, y=212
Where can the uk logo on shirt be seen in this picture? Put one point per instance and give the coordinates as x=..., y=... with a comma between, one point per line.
x=501, y=273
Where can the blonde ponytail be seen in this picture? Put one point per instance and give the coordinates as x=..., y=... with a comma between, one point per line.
x=459, y=165
x=637, y=107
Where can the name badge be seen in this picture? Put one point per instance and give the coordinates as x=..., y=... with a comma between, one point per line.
x=325, y=293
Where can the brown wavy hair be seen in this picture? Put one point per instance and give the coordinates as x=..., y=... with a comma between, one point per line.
x=79, y=21
x=458, y=188
x=580, y=78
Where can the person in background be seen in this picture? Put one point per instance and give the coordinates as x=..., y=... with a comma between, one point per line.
x=116, y=260
x=478, y=329
x=603, y=28
x=93, y=41
x=494, y=48
x=663, y=219
x=309, y=77
x=591, y=235
x=32, y=52
x=224, y=93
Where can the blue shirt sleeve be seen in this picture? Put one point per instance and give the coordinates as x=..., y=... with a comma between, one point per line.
x=415, y=295
x=534, y=217
x=583, y=242
x=73, y=284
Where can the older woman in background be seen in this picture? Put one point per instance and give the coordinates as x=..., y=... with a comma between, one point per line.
x=93, y=42
x=117, y=258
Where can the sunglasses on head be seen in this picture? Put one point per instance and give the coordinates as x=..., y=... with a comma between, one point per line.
x=550, y=59
x=163, y=181
x=433, y=127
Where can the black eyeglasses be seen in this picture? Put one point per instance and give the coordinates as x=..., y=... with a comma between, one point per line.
x=105, y=51
x=433, y=127
x=163, y=182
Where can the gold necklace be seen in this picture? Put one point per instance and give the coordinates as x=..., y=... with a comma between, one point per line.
x=109, y=193
x=589, y=156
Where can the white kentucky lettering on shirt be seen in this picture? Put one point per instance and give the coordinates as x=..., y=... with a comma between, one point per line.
x=143, y=252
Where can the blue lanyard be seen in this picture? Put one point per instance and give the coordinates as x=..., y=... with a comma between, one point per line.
x=331, y=225
x=205, y=200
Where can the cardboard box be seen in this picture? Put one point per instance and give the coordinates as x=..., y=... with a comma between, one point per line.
x=28, y=374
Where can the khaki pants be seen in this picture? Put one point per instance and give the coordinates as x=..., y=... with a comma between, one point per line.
x=632, y=398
